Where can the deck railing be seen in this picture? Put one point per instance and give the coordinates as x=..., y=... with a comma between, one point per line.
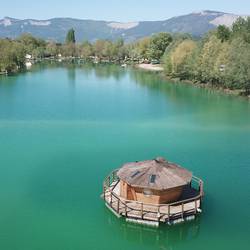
x=158, y=211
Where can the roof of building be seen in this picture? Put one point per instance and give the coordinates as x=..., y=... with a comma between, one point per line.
x=157, y=174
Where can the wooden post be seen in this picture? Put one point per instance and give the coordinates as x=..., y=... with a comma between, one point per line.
x=201, y=187
x=125, y=209
x=182, y=210
x=118, y=206
x=142, y=210
x=111, y=199
x=168, y=213
x=158, y=213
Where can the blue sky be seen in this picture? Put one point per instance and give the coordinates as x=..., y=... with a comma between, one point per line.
x=117, y=10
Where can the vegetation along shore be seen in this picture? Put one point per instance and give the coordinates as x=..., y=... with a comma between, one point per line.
x=220, y=59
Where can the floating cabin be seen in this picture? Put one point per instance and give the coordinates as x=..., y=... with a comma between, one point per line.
x=153, y=191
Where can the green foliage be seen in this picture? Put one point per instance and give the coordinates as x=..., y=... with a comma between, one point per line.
x=142, y=47
x=158, y=45
x=12, y=55
x=86, y=49
x=112, y=51
x=150, y=48
x=223, y=33
x=69, y=50
x=241, y=28
x=238, y=70
x=31, y=42
x=70, y=37
x=221, y=58
x=209, y=53
x=52, y=49
x=178, y=60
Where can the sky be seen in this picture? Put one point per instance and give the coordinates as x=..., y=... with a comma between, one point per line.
x=117, y=10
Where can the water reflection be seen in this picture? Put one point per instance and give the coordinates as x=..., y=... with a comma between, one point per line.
x=71, y=72
x=165, y=237
x=101, y=71
x=109, y=71
x=205, y=105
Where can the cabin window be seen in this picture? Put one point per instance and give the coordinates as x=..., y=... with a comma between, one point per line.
x=152, y=178
x=147, y=192
x=135, y=173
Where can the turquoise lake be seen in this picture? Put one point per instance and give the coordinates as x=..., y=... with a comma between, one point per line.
x=64, y=128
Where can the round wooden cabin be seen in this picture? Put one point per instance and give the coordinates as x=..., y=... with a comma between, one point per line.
x=153, y=181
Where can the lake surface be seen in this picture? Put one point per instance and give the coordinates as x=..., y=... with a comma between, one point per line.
x=64, y=128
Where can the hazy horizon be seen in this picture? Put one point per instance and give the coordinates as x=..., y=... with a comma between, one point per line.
x=119, y=11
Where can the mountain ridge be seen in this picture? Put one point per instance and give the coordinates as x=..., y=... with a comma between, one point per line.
x=196, y=23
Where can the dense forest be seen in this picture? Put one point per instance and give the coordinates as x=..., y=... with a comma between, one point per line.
x=221, y=58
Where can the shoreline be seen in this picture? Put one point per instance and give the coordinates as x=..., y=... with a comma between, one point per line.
x=150, y=67
x=209, y=86
x=160, y=69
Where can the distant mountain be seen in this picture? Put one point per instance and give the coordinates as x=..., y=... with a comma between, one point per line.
x=196, y=23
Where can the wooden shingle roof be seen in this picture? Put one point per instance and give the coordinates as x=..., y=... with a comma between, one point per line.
x=157, y=174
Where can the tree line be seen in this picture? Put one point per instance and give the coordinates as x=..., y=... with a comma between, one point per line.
x=13, y=51
x=220, y=58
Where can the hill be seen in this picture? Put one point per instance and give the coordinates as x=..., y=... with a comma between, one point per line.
x=197, y=24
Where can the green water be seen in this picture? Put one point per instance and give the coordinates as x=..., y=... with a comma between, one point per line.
x=63, y=129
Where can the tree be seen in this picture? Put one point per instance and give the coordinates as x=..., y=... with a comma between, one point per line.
x=86, y=49
x=31, y=44
x=223, y=33
x=142, y=47
x=38, y=52
x=206, y=64
x=99, y=47
x=12, y=55
x=70, y=38
x=120, y=49
x=158, y=45
x=238, y=71
x=241, y=28
x=69, y=50
x=108, y=50
x=178, y=60
x=52, y=49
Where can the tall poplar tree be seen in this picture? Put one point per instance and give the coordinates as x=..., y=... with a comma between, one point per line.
x=70, y=38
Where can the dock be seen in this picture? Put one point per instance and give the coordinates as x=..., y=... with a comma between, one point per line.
x=185, y=208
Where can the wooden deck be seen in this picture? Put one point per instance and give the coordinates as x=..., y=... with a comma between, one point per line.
x=188, y=205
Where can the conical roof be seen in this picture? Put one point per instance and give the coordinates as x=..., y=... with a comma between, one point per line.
x=158, y=174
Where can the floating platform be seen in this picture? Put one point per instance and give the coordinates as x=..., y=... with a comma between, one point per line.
x=185, y=209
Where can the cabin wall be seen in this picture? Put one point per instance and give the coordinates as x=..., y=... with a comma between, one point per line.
x=123, y=189
x=157, y=197
x=171, y=195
